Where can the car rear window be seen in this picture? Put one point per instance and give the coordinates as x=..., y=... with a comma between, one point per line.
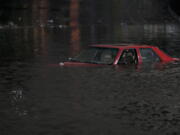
x=148, y=55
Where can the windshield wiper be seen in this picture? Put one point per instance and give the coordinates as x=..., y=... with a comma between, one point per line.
x=92, y=62
x=75, y=60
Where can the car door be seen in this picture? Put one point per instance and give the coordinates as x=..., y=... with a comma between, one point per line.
x=128, y=56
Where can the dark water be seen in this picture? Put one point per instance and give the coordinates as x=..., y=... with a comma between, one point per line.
x=37, y=98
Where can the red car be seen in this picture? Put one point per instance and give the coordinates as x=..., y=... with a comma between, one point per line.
x=119, y=54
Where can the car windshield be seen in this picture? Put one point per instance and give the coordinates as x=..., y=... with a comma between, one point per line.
x=97, y=55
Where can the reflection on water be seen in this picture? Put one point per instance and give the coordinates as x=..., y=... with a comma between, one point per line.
x=17, y=98
x=41, y=99
x=74, y=24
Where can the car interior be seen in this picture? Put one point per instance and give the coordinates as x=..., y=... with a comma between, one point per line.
x=129, y=56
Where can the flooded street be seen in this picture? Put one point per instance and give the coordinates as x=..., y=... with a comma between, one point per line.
x=38, y=97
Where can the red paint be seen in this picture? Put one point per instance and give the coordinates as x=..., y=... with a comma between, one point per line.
x=163, y=56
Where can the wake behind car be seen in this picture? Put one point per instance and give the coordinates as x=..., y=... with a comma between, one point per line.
x=119, y=54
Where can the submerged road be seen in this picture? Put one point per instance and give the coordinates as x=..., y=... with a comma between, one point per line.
x=37, y=97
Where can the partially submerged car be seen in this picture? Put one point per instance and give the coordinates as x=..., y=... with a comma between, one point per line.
x=119, y=54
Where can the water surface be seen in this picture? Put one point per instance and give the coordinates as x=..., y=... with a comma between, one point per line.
x=38, y=98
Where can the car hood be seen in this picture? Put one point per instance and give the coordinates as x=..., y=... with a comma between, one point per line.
x=78, y=64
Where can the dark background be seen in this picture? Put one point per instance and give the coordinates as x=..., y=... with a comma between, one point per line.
x=25, y=12
x=37, y=97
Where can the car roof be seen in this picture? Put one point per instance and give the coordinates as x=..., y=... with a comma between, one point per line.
x=122, y=45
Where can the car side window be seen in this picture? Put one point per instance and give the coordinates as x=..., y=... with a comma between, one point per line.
x=128, y=56
x=148, y=55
